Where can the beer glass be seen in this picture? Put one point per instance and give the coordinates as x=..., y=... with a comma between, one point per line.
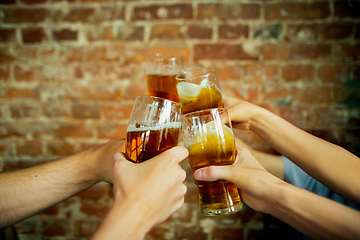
x=154, y=126
x=161, y=70
x=209, y=138
x=199, y=89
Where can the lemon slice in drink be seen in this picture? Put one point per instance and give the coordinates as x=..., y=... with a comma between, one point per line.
x=188, y=91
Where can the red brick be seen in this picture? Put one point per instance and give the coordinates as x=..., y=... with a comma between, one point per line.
x=77, y=129
x=294, y=10
x=26, y=15
x=28, y=73
x=80, y=15
x=228, y=233
x=191, y=233
x=114, y=12
x=112, y=130
x=165, y=31
x=85, y=228
x=13, y=93
x=57, y=109
x=335, y=31
x=24, y=110
x=226, y=73
x=229, y=11
x=95, y=208
x=221, y=52
x=347, y=52
x=84, y=110
x=302, y=31
x=110, y=52
x=315, y=95
x=29, y=147
x=58, y=228
x=33, y=35
x=116, y=111
x=9, y=129
x=104, y=92
x=199, y=32
x=347, y=9
x=60, y=148
x=257, y=73
x=297, y=51
x=131, y=33
x=100, y=33
x=233, y=32
x=152, y=12
x=7, y=34
x=334, y=73
x=304, y=73
x=65, y=35
x=4, y=72
x=54, y=210
x=6, y=56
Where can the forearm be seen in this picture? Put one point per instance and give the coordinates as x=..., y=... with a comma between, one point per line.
x=28, y=191
x=124, y=221
x=315, y=216
x=332, y=165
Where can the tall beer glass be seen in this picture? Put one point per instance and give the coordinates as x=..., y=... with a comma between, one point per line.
x=199, y=89
x=209, y=138
x=154, y=126
x=161, y=70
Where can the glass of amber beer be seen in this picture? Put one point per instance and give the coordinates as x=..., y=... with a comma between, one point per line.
x=154, y=126
x=161, y=70
x=209, y=138
x=199, y=89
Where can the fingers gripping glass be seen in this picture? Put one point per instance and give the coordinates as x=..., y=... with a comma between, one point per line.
x=209, y=138
x=154, y=126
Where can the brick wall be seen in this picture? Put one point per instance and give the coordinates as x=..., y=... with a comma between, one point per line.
x=70, y=71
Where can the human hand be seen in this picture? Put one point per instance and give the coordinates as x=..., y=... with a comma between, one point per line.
x=241, y=112
x=248, y=175
x=102, y=159
x=155, y=186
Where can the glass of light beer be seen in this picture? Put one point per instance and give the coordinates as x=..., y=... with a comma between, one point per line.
x=154, y=127
x=209, y=138
x=161, y=70
x=199, y=89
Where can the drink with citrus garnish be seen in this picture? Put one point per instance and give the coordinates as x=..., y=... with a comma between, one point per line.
x=211, y=142
x=199, y=89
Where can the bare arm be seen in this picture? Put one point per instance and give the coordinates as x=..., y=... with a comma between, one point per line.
x=330, y=164
x=26, y=192
x=145, y=194
x=315, y=216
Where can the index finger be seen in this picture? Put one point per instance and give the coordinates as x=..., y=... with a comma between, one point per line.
x=179, y=153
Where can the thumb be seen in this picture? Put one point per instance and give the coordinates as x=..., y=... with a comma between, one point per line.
x=213, y=173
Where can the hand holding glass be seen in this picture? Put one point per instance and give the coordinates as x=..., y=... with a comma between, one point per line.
x=209, y=138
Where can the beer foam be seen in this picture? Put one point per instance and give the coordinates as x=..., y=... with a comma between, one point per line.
x=145, y=126
x=212, y=139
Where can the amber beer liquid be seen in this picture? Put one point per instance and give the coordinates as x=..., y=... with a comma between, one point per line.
x=214, y=196
x=209, y=97
x=163, y=86
x=144, y=142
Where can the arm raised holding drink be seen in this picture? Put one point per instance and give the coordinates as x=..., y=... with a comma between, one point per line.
x=328, y=163
x=145, y=194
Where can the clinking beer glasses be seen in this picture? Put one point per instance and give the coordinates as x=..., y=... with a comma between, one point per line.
x=154, y=126
x=209, y=138
x=199, y=89
x=161, y=70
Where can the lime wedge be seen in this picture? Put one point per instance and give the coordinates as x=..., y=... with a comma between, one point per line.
x=188, y=91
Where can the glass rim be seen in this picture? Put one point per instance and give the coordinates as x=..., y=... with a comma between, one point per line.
x=180, y=77
x=168, y=56
x=158, y=98
x=198, y=113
